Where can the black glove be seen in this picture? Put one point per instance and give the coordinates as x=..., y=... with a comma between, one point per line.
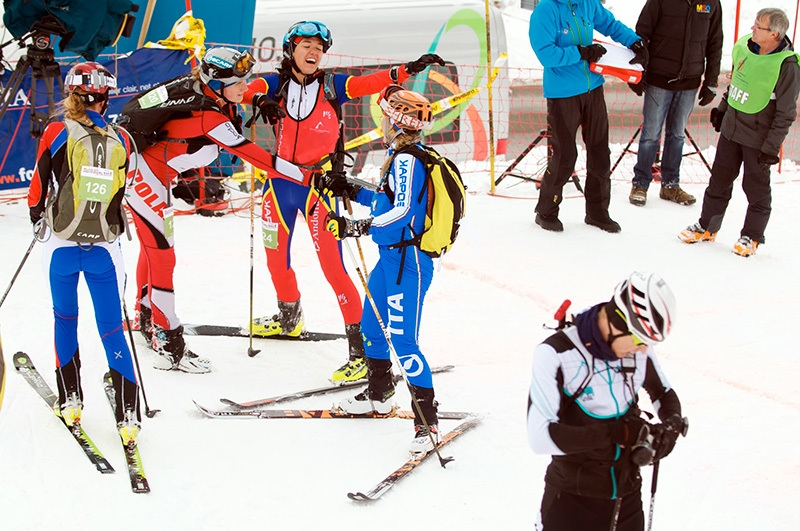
x=706, y=96
x=270, y=109
x=641, y=55
x=639, y=87
x=665, y=435
x=716, y=118
x=625, y=432
x=36, y=215
x=342, y=227
x=767, y=160
x=592, y=53
x=337, y=184
x=415, y=67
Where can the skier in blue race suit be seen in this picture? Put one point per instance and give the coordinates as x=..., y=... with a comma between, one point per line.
x=403, y=274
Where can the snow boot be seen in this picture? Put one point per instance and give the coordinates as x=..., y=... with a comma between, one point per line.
x=287, y=322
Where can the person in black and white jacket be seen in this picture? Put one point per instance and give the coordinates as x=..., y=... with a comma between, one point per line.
x=583, y=408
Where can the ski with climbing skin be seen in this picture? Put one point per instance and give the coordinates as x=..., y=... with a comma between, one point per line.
x=238, y=331
x=391, y=480
x=333, y=413
x=312, y=392
x=133, y=460
x=24, y=366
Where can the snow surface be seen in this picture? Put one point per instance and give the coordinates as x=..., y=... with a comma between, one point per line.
x=738, y=468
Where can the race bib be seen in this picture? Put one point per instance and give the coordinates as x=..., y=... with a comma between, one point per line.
x=96, y=184
x=269, y=234
x=169, y=222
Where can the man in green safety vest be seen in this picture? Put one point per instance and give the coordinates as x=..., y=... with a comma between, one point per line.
x=753, y=119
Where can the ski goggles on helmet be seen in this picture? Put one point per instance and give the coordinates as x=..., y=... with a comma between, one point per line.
x=310, y=28
x=95, y=80
x=231, y=70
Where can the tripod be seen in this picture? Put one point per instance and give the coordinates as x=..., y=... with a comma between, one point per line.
x=40, y=60
x=544, y=133
x=685, y=132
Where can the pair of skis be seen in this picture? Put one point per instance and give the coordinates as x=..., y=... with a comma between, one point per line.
x=24, y=366
x=250, y=410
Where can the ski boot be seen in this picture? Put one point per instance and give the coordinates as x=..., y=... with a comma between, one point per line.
x=287, y=322
x=129, y=428
x=70, y=410
x=172, y=354
x=356, y=367
x=376, y=397
x=425, y=438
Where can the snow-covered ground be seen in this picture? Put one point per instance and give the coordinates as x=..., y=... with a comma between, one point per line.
x=730, y=359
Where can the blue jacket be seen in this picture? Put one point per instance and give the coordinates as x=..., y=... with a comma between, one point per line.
x=557, y=28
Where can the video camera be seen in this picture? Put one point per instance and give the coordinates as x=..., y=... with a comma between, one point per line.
x=85, y=27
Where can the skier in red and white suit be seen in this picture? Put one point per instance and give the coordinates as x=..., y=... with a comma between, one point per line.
x=187, y=143
x=305, y=139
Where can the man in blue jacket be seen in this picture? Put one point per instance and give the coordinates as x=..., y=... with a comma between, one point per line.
x=561, y=36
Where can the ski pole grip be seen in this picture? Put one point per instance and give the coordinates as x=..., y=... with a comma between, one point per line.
x=561, y=313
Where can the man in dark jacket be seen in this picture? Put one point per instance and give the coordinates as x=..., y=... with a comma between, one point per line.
x=685, y=44
x=561, y=33
x=754, y=118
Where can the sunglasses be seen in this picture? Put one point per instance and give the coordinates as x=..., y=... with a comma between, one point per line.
x=636, y=341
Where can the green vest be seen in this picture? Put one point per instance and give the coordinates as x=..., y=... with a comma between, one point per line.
x=754, y=77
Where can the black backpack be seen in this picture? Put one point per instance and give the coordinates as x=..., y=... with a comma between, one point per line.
x=144, y=115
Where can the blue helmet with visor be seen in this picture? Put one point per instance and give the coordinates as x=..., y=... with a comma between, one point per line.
x=306, y=28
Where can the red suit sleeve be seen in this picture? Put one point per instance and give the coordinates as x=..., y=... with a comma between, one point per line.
x=358, y=86
x=219, y=129
x=37, y=193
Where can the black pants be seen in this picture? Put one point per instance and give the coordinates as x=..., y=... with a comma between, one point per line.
x=564, y=116
x=755, y=183
x=569, y=512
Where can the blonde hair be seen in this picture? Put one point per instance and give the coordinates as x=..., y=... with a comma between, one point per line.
x=406, y=138
x=74, y=108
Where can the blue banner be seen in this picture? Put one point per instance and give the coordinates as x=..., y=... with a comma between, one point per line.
x=135, y=73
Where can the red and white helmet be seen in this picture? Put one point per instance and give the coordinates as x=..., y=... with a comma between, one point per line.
x=648, y=306
x=406, y=109
x=90, y=77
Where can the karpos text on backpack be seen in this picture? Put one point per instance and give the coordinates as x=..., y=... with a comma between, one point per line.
x=447, y=202
x=87, y=206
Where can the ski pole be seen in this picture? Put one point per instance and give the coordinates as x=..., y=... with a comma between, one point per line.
x=22, y=263
x=147, y=411
x=442, y=460
x=250, y=350
x=653, y=494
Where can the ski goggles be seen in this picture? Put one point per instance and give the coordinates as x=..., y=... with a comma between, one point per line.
x=96, y=80
x=230, y=71
x=310, y=28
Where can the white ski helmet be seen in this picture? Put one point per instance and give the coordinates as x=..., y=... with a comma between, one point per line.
x=647, y=305
x=225, y=65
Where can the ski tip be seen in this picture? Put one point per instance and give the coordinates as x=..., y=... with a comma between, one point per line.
x=359, y=497
x=21, y=360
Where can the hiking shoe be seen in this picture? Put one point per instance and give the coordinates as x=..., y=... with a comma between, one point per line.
x=638, y=196
x=70, y=411
x=351, y=371
x=745, y=246
x=551, y=223
x=676, y=195
x=608, y=224
x=287, y=322
x=172, y=354
x=421, y=444
x=366, y=402
x=695, y=233
x=129, y=428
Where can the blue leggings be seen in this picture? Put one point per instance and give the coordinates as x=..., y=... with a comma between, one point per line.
x=400, y=307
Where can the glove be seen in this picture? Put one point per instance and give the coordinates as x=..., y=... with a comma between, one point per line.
x=716, y=118
x=665, y=435
x=639, y=87
x=625, y=432
x=641, y=55
x=706, y=96
x=337, y=184
x=415, y=67
x=342, y=227
x=36, y=215
x=270, y=109
x=592, y=53
x=767, y=160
